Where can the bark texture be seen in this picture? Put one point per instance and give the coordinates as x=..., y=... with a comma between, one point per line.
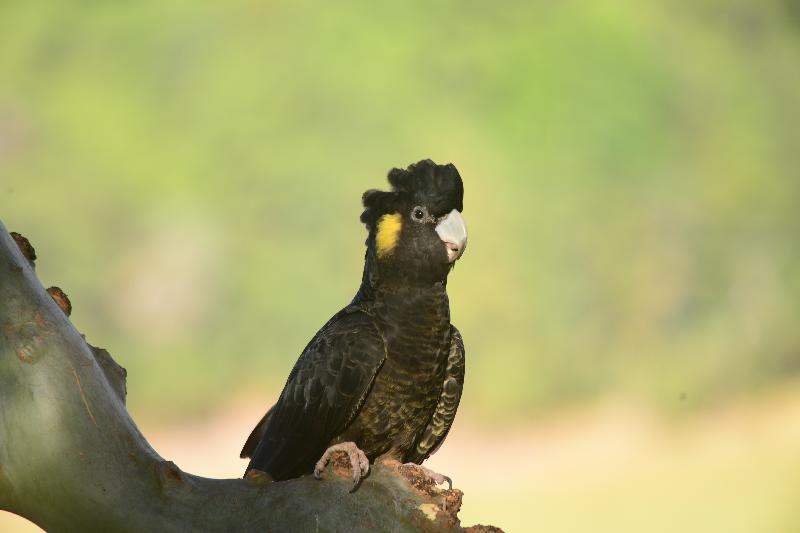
x=72, y=459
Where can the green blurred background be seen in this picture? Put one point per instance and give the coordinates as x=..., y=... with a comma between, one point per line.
x=191, y=176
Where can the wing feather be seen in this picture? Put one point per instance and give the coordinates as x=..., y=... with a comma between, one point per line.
x=442, y=418
x=324, y=392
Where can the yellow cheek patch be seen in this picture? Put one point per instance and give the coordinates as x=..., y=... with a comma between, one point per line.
x=388, y=233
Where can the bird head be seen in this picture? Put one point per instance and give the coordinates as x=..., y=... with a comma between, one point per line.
x=416, y=230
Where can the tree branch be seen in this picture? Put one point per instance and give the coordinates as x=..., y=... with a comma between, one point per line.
x=72, y=459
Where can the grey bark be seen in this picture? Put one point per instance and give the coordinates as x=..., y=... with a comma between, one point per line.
x=72, y=459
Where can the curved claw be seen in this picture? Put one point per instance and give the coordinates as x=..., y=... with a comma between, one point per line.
x=436, y=477
x=359, y=463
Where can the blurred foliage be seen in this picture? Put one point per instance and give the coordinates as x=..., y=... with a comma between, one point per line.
x=191, y=174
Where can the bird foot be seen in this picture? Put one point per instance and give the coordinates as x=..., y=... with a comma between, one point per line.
x=435, y=477
x=418, y=473
x=359, y=463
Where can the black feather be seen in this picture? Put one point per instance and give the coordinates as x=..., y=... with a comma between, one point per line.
x=322, y=394
x=386, y=372
x=439, y=187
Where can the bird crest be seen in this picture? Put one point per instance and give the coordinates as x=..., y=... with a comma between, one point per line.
x=437, y=186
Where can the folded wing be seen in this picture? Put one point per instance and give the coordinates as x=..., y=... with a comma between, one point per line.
x=322, y=395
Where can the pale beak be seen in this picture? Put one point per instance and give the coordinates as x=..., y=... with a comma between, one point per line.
x=453, y=232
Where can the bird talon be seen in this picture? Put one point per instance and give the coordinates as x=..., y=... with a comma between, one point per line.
x=359, y=463
x=435, y=477
x=449, y=482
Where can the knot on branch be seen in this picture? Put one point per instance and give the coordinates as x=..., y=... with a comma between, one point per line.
x=258, y=477
x=25, y=247
x=28, y=338
x=115, y=374
x=61, y=299
x=170, y=476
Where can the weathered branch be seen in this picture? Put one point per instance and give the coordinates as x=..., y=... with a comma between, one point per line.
x=72, y=459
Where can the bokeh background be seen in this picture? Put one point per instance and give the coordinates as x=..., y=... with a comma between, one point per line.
x=191, y=176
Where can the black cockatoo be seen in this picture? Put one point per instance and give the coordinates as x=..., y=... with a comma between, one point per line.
x=382, y=379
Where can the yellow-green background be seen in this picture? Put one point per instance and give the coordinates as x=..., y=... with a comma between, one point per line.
x=191, y=176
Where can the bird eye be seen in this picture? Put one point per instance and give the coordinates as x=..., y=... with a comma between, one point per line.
x=418, y=213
